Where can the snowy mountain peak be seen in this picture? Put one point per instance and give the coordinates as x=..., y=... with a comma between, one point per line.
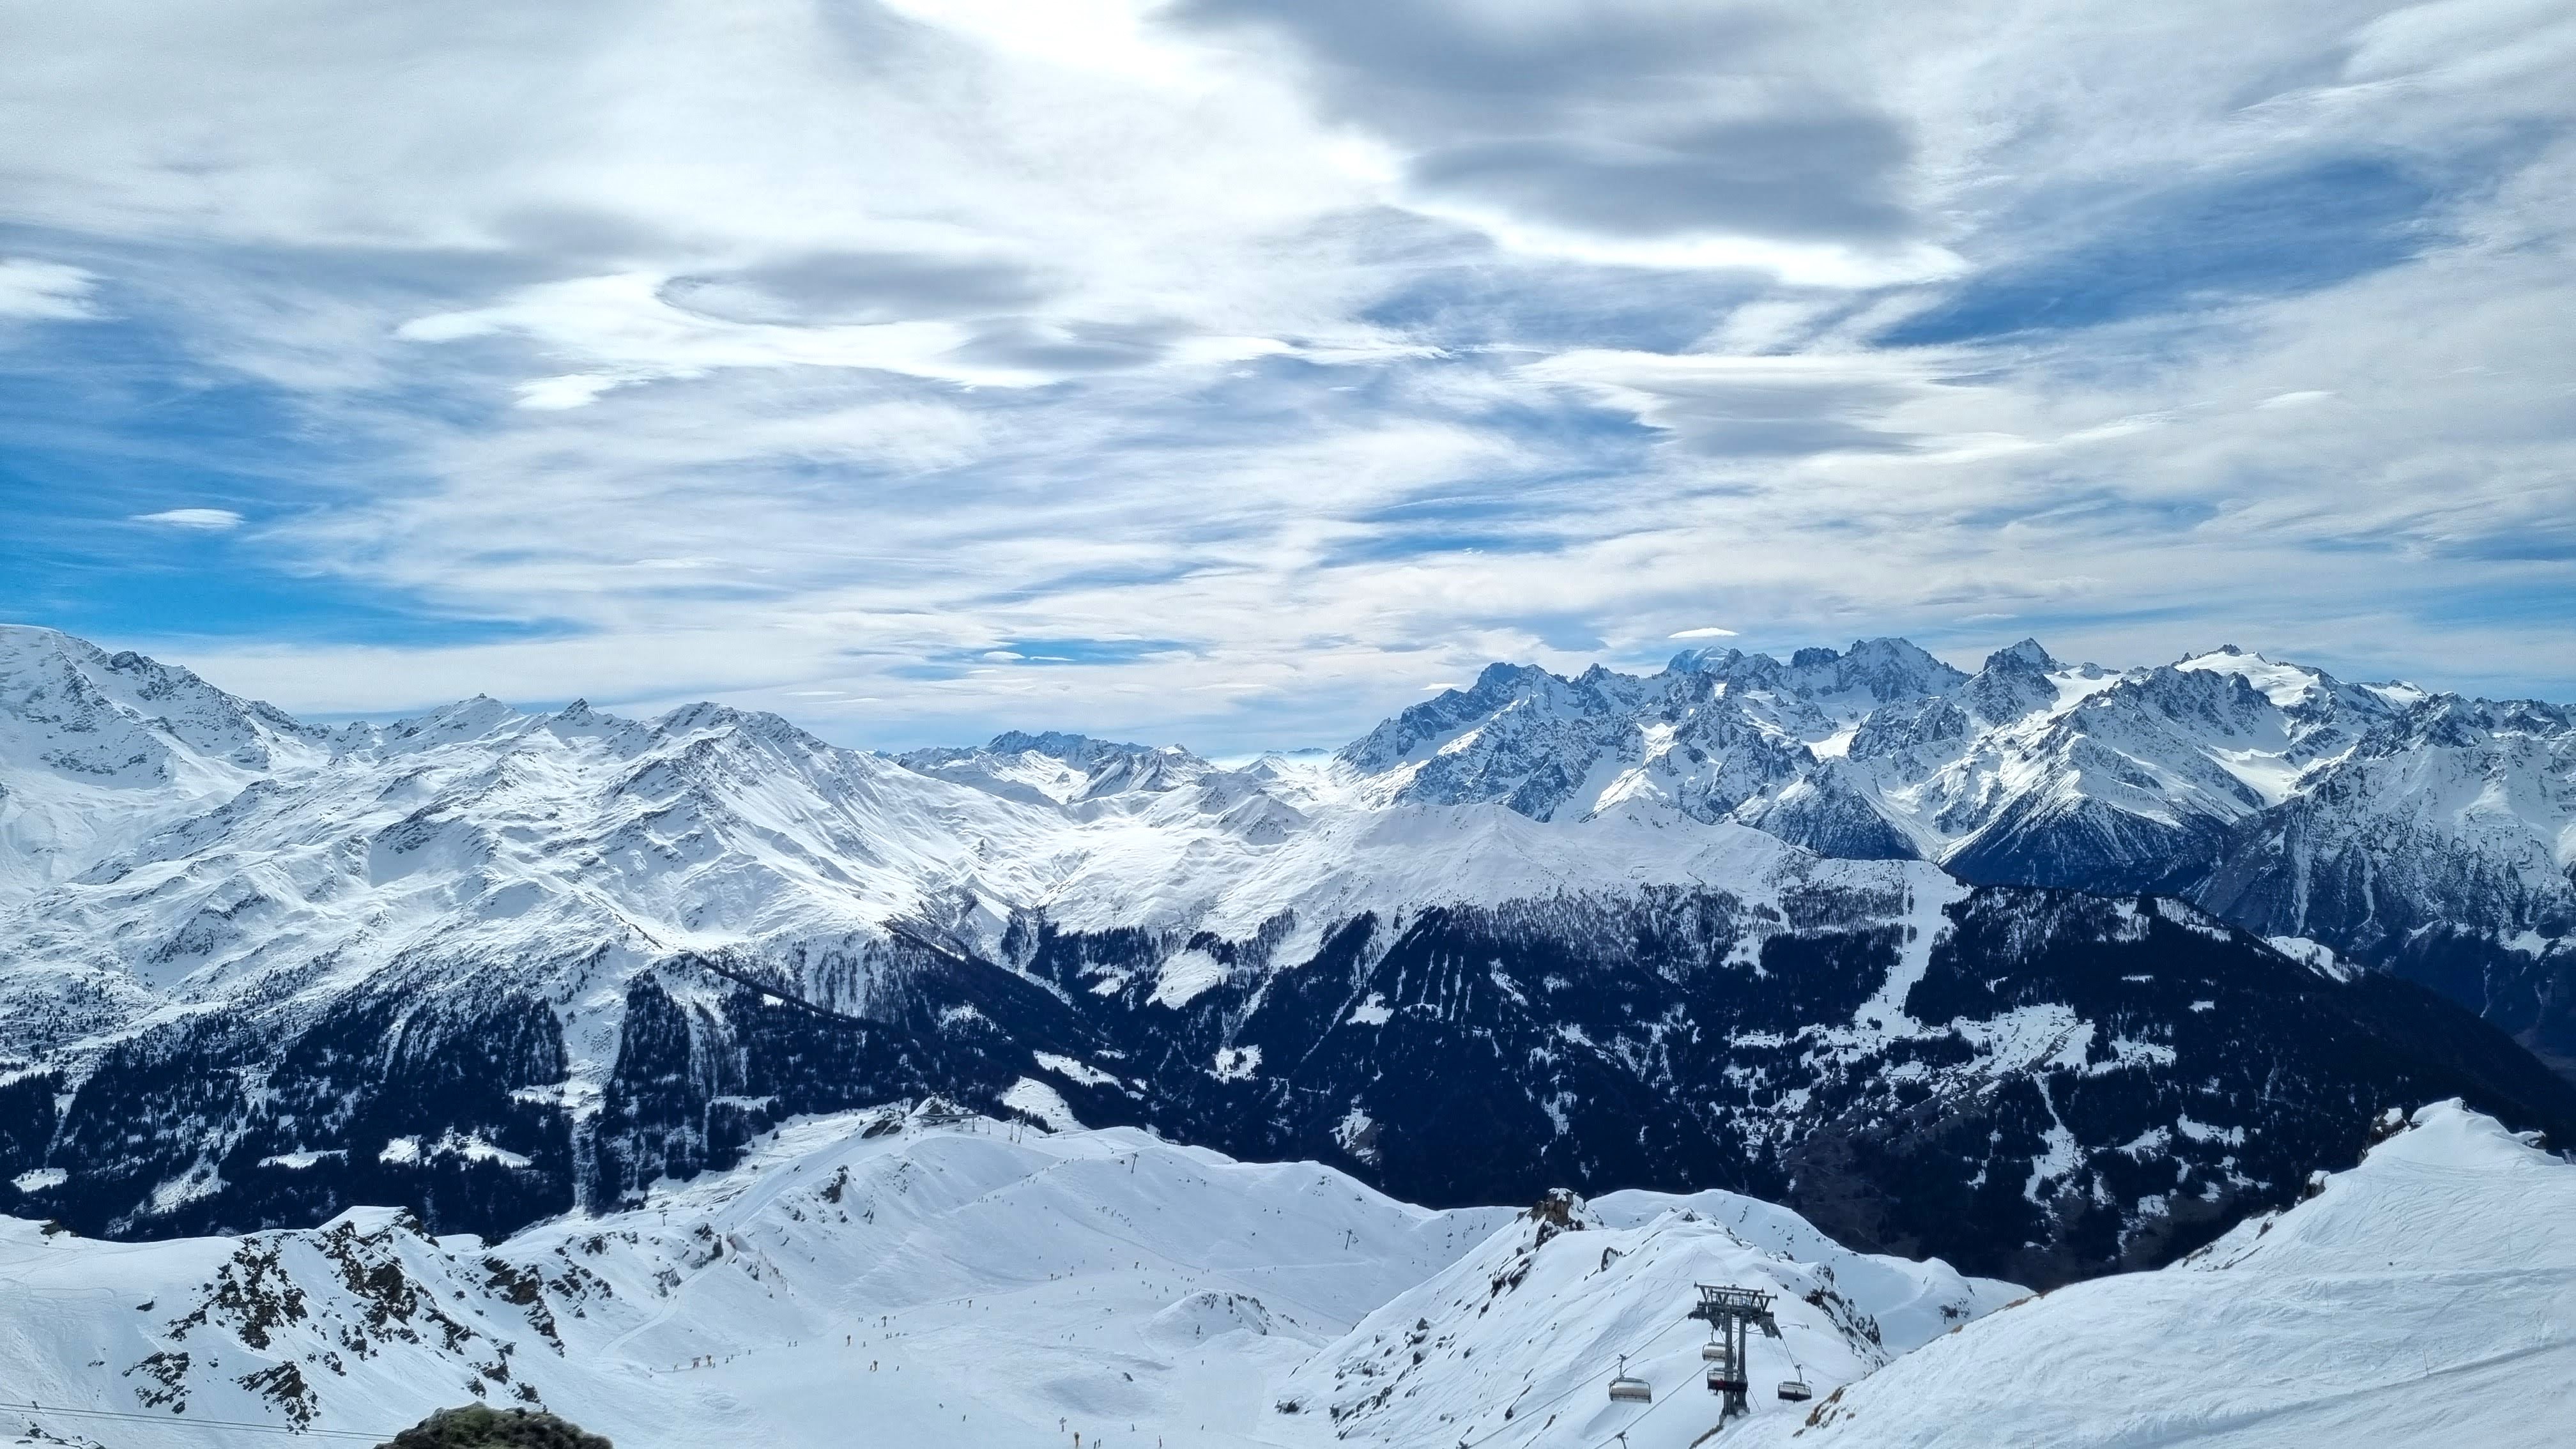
x=2026, y=657
x=2285, y=685
x=464, y=719
x=1703, y=660
x=1060, y=768
x=1885, y=670
x=1871, y=672
x=2014, y=684
x=49, y=678
x=1717, y=731
x=98, y=750
x=1073, y=749
x=704, y=718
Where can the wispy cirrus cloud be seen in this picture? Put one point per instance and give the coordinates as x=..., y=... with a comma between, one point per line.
x=49, y=290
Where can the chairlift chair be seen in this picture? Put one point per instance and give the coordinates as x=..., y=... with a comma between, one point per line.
x=1723, y=1374
x=1795, y=1391
x=1627, y=1390
x=1722, y=1367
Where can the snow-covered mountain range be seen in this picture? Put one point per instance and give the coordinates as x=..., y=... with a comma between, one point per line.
x=1679, y=932
x=2422, y=832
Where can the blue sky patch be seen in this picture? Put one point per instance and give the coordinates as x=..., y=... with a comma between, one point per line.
x=2192, y=248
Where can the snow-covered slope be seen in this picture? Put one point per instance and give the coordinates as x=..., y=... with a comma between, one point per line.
x=1514, y=1342
x=2425, y=1298
x=939, y=1280
x=946, y=1279
x=475, y=841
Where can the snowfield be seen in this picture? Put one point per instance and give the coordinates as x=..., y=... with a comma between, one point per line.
x=936, y=1280
x=940, y=1279
x=2425, y=1298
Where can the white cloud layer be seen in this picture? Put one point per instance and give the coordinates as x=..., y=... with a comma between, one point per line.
x=1224, y=368
x=209, y=520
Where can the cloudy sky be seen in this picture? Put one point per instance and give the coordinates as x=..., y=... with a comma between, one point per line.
x=1233, y=371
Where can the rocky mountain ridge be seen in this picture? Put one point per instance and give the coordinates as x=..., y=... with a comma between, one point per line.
x=2421, y=832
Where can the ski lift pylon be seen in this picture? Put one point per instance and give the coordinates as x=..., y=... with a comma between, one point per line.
x=1731, y=1315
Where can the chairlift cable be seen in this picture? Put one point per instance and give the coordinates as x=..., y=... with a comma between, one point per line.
x=179, y=1419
